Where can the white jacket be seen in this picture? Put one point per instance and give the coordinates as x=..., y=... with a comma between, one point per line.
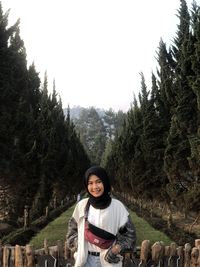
x=117, y=219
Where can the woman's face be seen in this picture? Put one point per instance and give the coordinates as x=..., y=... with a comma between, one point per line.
x=95, y=186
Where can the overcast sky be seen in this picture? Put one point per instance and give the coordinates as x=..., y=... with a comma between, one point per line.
x=95, y=50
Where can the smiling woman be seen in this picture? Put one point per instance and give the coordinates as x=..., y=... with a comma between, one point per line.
x=94, y=48
x=100, y=228
x=95, y=186
x=98, y=187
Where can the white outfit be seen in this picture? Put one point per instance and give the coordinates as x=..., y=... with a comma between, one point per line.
x=110, y=219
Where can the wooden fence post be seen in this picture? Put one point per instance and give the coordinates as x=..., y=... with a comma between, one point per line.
x=166, y=255
x=60, y=248
x=173, y=248
x=144, y=253
x=47, y=211
x=18, y=256
x=6, y=256
x=26, y=216
x=30, y=256
x=53, y=251
x=12, y=257
x=54, y=202
x=179, y=252
x=1, y=254
x=46, y=249
x=194, y=257
x=197, y=244
x=187, y=255
x=162, y=253
x=67, y=252
x=156, y=251
x=157, y=255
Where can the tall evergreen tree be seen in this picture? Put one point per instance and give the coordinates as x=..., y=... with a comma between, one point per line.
x=154, y=179
x=109, y=123
x=193, y=195
x=184, y=117
x=14, y=109
x=92, y=133
x=35, y=139
x=165, y=100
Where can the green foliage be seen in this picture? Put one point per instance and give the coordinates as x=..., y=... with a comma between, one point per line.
x=96, y=130
x=92, y=134
x=184, y=117
x=152, y=152
x=156, y=155
x=41, y=154
x=146, y=232
x=57, y=230
x=54, y=231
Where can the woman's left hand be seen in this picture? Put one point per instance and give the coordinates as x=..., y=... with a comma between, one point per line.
x=116, y=249
x=111, y=257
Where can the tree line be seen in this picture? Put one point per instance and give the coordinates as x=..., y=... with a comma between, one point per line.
x=151, y=153
x=41, y=156
x=97, y=128
x=157, y=154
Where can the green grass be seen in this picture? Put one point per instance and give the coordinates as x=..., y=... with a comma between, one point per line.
x=145, y=231
x=56, y=230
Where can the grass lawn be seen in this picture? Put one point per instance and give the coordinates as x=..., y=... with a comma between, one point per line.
x=56, y=230
x=145, y=231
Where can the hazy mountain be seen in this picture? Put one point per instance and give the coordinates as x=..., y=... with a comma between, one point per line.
x=75, y=111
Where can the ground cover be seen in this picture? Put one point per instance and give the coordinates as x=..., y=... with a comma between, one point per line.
x=57, y=229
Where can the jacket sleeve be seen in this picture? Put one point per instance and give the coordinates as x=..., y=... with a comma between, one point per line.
x=72, y=235
x=126, y=236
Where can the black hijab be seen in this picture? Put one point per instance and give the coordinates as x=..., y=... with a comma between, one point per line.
x=104, y=200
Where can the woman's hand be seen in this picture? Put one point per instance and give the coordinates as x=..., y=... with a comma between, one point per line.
x=116, y=249
x=111, y=255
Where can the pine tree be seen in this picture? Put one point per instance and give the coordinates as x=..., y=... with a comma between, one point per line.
x=109, y=123
x=92, y=134
x=165, y=100
x=14, y=110
x=183, y=121
x=193, y=194
x=154, y=179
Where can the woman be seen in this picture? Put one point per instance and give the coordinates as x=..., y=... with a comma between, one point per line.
x=100, y=228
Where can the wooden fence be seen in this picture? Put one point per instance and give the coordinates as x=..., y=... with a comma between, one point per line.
x=157, y=254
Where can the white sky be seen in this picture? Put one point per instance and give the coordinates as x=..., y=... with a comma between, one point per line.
x=95, y=49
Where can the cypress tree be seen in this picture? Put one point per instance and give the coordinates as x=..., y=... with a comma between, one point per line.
x=154, y=179
x=14, y=111
x=183, y=121
x=193, y=194
x=92, y=133
x=165, y=99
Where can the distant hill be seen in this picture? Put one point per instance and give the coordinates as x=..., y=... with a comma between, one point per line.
x=96, y=128
x=75, y=111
